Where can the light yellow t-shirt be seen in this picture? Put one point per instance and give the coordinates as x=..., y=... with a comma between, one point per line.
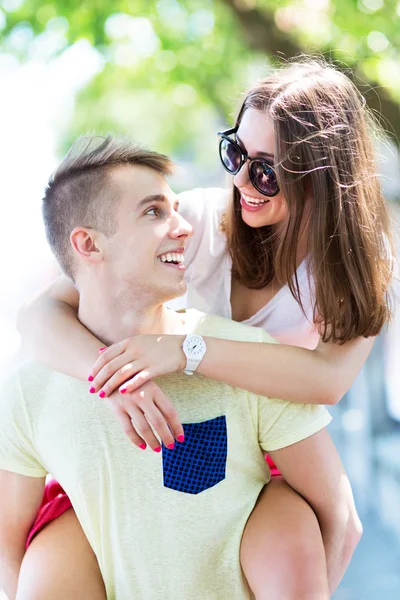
x=162, y=525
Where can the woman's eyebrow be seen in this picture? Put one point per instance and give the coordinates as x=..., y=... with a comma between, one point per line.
x=266, y=154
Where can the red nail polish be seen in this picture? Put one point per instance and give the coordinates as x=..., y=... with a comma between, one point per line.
x=102, y=349
x=158, y=449
x=181, y=438
x=102, y=394
x=143, y=446
x=92, y=390
x=123, y=390
x=90, y=378
x=171, y=446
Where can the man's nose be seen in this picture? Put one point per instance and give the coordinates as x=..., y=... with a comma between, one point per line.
x=180, y=228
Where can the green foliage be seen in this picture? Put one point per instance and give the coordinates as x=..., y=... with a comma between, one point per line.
x=172, y=69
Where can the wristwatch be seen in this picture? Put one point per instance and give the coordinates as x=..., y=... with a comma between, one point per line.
x=194, y=348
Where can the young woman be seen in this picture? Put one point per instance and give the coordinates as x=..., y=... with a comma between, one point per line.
x=302, y=248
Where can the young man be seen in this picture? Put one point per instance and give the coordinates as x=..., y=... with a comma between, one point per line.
x=168, y=523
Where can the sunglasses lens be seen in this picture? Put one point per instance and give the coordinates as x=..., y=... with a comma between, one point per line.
x=230, y=154
x=263, y=178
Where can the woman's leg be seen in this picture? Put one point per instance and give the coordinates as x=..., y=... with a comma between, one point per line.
x=60, y=563
x=282, y=553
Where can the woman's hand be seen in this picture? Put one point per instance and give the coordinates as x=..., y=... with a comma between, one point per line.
x=129, y=364
x=142, y=411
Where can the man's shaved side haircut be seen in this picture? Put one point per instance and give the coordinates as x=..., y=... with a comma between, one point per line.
x=81, y=193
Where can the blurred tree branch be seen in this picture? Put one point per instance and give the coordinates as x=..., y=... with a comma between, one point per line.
x=261, y=33
x=200, y=55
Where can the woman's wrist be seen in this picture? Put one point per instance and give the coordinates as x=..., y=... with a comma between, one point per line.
x=180, y=355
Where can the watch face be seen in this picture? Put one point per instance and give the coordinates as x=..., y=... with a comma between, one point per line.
x=195, y=346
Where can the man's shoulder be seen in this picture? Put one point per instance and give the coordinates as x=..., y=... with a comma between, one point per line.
x=26, y=371
x=31, y=379
x=220, y=327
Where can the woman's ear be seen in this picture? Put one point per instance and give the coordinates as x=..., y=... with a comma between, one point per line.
x=85, y=243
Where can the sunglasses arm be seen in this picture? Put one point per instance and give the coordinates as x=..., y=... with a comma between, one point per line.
x=228, y=131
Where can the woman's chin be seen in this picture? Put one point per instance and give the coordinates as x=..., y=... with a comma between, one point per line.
x=254, y=219
x=264, y=217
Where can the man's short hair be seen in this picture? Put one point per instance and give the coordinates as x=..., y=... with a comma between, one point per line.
x=81, y=194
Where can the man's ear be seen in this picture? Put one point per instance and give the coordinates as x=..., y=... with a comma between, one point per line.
x=86, y=243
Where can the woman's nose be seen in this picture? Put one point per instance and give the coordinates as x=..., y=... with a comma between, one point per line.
x=242, y=178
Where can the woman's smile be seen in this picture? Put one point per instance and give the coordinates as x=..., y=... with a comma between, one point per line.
x=252, y=204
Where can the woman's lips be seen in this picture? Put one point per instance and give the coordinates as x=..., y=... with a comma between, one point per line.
x=251, y=207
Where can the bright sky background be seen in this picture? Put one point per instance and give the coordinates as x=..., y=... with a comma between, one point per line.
x=36, y=102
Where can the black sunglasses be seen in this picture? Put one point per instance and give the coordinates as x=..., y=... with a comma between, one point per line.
x=261, y=172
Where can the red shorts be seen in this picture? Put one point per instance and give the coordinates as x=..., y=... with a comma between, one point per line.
x=272, y=467
x=56, y=502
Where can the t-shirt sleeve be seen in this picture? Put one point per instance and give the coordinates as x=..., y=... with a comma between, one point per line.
x=17, y=453
x=282, y=423
x=203, y=209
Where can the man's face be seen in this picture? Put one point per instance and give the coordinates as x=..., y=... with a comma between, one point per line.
x=143, y=259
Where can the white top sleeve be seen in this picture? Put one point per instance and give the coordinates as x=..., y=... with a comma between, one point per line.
x=203, y=209
x=208, y=265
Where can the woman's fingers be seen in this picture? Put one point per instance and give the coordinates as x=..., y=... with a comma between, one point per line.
x=160, y=354
x=138, y=380
x=169, y=413
x=143, y=428
x=159, y=416
x=105, y=356
x=114, y=374
x=133, y=362
x=153, y=414
x=160, y=411
x=146, y=424
x=128, y=428
x=147, y=416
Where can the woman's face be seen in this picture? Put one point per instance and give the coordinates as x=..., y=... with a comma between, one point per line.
x=256, y=136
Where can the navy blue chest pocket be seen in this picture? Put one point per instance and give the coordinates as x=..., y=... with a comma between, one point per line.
x=200, y=462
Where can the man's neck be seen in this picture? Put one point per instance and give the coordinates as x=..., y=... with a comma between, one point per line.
x=111, y=322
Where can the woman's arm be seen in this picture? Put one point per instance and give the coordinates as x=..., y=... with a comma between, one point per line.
x=320, y=376
x=51, y=331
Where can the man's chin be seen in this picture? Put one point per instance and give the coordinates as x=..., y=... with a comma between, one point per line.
x=175, y=292
x=181, y=289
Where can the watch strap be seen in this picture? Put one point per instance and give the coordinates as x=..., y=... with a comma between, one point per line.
x=191, y=366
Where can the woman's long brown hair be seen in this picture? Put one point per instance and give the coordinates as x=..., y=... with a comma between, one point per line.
x=323, y=155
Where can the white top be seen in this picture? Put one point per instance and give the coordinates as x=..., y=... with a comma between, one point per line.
x=209, y=278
